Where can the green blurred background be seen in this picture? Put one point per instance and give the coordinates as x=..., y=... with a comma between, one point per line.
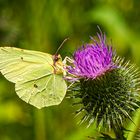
x=43, y=25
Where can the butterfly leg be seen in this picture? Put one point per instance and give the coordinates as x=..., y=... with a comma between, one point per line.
x=69, y=78
x=70, y=85
x=67, y=59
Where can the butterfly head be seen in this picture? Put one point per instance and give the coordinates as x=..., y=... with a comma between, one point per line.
x=57, y=58
x=58, y=64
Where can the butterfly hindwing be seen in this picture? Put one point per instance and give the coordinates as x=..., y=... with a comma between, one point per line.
x=43, y=91
x=33, y=75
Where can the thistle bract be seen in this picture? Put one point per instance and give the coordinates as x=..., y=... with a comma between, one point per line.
x=107, y=86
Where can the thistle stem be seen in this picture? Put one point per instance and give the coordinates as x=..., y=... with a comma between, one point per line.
x=40, y=130
x=133, y=127
x=119, y=133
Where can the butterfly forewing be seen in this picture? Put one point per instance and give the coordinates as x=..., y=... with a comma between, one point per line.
x=33, y=74
x=17, y=63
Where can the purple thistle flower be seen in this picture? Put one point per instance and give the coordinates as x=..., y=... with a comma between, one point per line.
x=92, y=60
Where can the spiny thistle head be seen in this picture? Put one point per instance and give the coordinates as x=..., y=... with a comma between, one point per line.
x=106, y=85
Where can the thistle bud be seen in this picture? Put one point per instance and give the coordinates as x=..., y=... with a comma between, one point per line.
x=106, y=86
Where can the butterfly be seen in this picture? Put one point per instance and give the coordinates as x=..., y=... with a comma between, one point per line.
x=38, y=76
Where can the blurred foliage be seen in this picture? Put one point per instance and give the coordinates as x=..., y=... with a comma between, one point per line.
x=43, y=25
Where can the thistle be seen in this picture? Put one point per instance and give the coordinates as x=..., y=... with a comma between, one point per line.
x=106, y=86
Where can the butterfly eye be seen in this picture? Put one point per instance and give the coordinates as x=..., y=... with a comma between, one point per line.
x=56, y=58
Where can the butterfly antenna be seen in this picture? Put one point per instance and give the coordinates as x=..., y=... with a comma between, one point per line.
x=61, y=45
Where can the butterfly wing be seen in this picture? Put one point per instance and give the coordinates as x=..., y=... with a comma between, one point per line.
x=33, y=75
